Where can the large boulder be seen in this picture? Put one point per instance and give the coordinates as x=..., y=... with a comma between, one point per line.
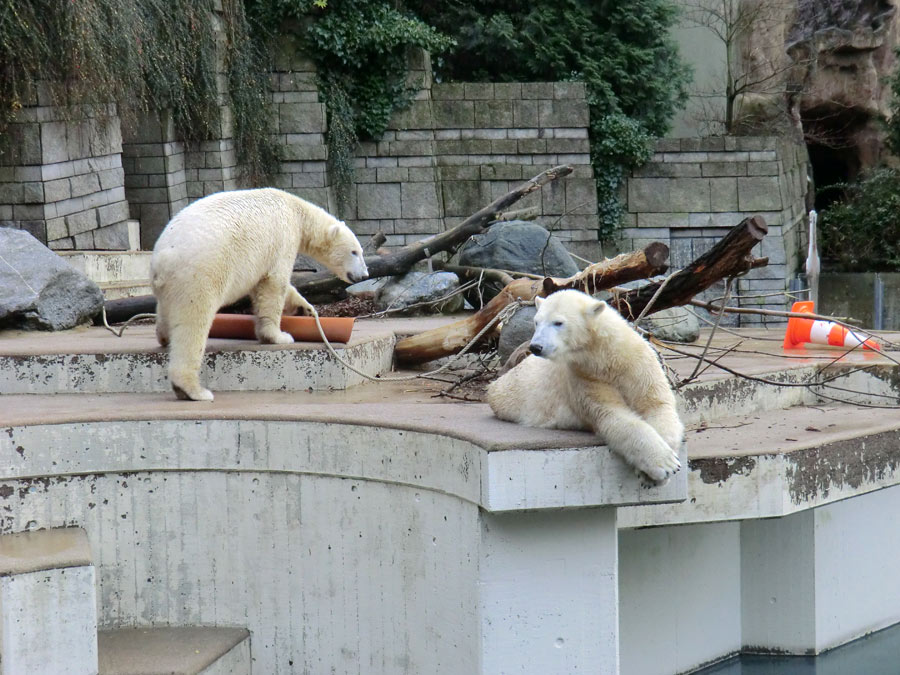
x=417, y=287
x=519, y=246
x=516, y=330
x=675, y=324
x=38, y=289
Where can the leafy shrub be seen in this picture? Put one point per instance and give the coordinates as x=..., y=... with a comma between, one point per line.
x=622, y=51
x=862, y=232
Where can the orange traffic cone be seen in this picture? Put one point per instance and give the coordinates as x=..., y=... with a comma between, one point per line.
x=821, y=332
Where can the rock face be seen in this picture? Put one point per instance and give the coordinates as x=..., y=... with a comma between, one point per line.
x=40, y=291
x=850, y=46
x=824, y=64
x=420, y=287
x=520, y=246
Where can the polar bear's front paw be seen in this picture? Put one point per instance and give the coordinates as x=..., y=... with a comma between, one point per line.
x=276, y=338
x=660, y=465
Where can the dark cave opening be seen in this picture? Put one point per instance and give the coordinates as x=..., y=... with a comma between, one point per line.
x=831, y=167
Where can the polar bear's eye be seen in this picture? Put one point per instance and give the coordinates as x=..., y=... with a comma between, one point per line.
x=354, y=253
x=558, y=323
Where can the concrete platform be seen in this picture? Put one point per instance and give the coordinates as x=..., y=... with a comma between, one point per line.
x=93, y=360
x=474, y=543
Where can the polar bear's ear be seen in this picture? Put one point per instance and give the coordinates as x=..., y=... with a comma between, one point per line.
x=599, y=307
x=537, y=301
x=334, y=229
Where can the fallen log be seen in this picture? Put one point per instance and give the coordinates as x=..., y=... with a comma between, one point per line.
x=731, y=256
x=324, y=286
x=401, y=260
x=450, y=339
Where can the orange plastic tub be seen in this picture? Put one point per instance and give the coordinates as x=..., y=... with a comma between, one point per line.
x=302, y=328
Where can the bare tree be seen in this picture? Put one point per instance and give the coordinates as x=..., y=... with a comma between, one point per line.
x=756, y=75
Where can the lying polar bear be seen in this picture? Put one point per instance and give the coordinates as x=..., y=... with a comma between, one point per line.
x=591, y=370
x=231, y=244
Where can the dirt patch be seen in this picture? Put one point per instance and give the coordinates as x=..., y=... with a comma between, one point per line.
x=351, y=306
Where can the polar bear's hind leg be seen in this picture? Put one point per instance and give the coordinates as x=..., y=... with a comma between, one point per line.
x=187, y=341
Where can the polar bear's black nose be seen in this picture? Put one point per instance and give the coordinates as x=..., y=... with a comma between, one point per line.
x=536, y=349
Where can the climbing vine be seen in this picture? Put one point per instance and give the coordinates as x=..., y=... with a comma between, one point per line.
x=622, y=51
x=142, y=55
x=361, y=49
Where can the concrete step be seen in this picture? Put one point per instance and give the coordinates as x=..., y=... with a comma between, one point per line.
x=110, y=266
x=174, y=651
x=116, y=290
x=93, y=360
x=47, y=591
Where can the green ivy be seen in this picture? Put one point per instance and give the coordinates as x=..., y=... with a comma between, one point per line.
x=622, y=51
x=143, y=55
x=862, y=232
x=619, y=143
x=360, y=48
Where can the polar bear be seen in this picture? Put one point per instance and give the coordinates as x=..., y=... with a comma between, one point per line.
x=590, y=370
x=231, y=244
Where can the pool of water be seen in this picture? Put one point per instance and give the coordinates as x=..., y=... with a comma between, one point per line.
x=875, y=654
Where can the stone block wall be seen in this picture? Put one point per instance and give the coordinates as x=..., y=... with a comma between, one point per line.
x=61, y=175
x=299, y=120
x=694, y=190
x=155, y=177
x=455, y=149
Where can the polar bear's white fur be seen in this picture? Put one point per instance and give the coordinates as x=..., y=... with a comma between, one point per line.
x=231, y=244
x=594, y=372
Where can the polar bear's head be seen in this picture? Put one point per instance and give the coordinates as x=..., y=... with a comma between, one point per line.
x=343, y=256
x=566, y=323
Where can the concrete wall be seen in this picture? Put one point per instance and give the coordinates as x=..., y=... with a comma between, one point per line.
x=801, y=584
x=694, y=190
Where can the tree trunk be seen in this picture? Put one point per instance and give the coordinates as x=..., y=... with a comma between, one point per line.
x=731, y=256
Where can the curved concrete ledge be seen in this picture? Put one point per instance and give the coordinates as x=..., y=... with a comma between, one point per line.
x=25, y=552
x=313, y=529
x=459, y=450
x=779, y=463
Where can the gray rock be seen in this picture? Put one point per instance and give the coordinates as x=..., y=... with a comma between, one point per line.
x=418, y=287
x=520, y=246
x=675, y=324
x=368, y=288
x=38, y=289
x=515, y=331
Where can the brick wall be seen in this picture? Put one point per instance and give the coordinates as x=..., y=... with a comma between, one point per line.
x=694, y=189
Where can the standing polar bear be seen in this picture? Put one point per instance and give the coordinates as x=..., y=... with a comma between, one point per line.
x=231, y=244
x=591, y=370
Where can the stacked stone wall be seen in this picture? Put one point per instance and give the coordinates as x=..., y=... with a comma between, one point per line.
x=452, y=151
x=61, y=175
x=694, y=189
